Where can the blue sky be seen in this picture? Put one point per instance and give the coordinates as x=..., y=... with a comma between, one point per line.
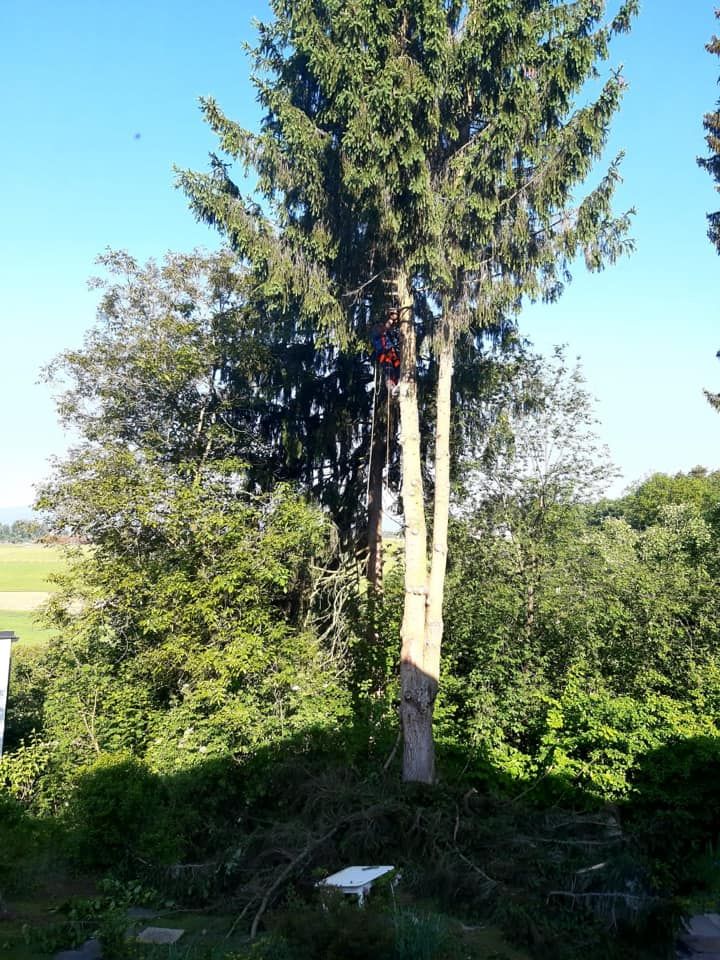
x=83, y=78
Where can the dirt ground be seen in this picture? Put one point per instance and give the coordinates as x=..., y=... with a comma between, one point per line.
x=22, y=600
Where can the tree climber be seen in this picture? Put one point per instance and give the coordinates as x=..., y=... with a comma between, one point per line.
x=386, y=345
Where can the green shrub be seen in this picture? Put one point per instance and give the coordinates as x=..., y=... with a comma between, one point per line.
x=674, y=813
x=29, y=678
x=338, y=929
x=120, y=810
x=18, y=837
x=335, y=930
x=593, y=740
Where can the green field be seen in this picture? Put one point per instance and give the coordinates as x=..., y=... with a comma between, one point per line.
x=23, y=623
x=26, y=567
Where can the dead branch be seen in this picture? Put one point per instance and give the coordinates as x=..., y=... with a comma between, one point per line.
x=398, y=741
x=307, y=849
x=473, y=866
x=629, y=898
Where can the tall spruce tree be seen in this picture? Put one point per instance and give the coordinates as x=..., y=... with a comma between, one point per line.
x=178, y=367
x=711, y=123
x=421, y=154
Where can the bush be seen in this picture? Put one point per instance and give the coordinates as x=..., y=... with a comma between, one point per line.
x=335, y=930
x=675, y=814
x=119, y=811
x=593, y=740
x=29, y=678
x=17, y=842
x=340, y=930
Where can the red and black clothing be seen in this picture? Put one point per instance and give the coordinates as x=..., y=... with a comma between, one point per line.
x=385, y=345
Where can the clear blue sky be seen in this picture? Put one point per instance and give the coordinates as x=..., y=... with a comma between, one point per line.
x=82, y=78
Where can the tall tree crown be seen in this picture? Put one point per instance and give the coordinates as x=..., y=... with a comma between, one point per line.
x=711, y=123
x=434, y=134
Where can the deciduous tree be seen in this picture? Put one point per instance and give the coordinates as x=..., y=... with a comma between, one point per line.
x=183, y=366
x=183, y=631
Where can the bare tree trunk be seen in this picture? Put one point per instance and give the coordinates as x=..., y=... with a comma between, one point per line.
x=438, y=564
x=417, y=693
x=378, y=454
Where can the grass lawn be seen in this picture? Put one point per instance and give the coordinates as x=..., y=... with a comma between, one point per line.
x=206, y=936
x=28, y=566
x=23, y=623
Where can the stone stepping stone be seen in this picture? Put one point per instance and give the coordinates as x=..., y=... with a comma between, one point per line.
x=159, y=935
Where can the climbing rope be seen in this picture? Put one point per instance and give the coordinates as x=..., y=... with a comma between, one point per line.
x=372, y=437
x=387, y=440
x=398, y=311
x=372, y=440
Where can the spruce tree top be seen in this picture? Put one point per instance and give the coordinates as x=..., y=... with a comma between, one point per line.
x=711, y=123
x=436, y=136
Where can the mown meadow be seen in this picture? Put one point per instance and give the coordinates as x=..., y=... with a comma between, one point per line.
x=26, y=572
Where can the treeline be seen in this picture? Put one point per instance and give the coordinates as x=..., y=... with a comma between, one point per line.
x=594, y=639
x=22, y=531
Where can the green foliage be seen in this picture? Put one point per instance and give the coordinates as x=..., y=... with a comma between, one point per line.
x=594, y=740
x=643, y=505
x=335, y=931
x=29, y=678
x=591, y=642
x=484, y=854
x=541, y=450
x=421, y=152
x=169, y=366
x=182, y=635
x=24, y=772
x=119, y=810
x=18, y=843
x=186, y=366
x=22, y=531
x=711, y=123
x=191, y=660
x=593, y=639
x=673, y=812
x=340, y=929
x=426, y=154
x=470, y=851
x=187, y=630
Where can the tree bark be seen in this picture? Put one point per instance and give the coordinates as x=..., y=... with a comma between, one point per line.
x=417, y=691
x=441, y=509
x=378, y=454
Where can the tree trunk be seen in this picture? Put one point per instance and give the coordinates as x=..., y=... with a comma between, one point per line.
x=378, y=454
x=438, y=564
x=417, y=691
